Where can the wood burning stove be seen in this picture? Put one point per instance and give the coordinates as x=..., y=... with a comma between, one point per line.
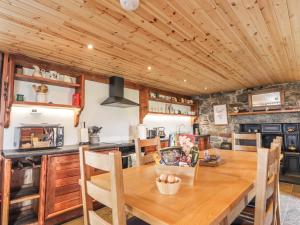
x=291, y=145
x=291, y=137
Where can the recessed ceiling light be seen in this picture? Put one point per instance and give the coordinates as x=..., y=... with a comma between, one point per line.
x=90, y=46
x=205, y=88
x=184, y=80
x=129, y=5
x=149, y=68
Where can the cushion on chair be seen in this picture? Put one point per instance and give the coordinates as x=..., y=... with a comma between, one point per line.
x=136, y=221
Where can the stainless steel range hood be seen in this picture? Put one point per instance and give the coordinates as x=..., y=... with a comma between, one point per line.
x=116, y=94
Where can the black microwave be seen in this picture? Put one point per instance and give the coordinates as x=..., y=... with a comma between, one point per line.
x=38, y=137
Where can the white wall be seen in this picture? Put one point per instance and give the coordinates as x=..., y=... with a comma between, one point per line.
x=115, y=121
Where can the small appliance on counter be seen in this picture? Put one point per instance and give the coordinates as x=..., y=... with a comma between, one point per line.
x=151, y=133
x=160, y=131
x=84, y=135
x=38, y=136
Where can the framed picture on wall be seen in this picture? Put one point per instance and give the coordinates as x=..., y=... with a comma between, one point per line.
x=220, y=114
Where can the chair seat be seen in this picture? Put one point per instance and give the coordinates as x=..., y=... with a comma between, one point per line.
x=136, y=221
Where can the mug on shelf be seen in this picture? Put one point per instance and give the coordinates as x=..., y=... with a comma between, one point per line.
x=67, y=79
x=27, y=71
x=20, y=98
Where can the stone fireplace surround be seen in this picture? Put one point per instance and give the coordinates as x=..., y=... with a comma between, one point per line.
x=239, y=99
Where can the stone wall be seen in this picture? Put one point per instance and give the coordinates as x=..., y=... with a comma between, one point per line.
x=239, y=99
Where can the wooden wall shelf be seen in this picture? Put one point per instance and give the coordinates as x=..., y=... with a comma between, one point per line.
x=145, y=99
x=28, y=104
x=9, y=77
x=170, y=114
x=264, y=112
x=45, y=81
x=171, y=102
x=24, y=198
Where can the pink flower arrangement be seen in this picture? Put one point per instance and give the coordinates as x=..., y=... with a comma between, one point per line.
x=186, y=144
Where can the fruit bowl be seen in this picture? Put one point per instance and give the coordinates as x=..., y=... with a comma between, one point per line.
x=166, y=188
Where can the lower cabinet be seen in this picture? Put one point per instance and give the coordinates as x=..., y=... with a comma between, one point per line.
x=163, y=144
x=62, y=188
x=63, y=193
x=292, y=163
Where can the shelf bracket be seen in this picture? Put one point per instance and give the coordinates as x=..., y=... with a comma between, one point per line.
x=77, y=113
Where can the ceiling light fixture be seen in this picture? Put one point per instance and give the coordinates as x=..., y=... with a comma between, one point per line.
x=149, y=68
x=205, y=88
x=90, y=46
x=184, y=80
x=129, y=5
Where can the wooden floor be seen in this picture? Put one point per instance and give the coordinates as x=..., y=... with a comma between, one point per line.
x=290, y=207
x=105, y=213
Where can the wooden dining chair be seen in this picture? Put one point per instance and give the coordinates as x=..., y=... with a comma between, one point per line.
x=113, y=198
x=279, y=140
x=266, y=211
x=237, y=138
x=139, y=144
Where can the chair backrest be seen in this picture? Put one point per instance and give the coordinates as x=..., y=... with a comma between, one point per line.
x=267, y=182
x=113, y=198
x=278, y=140
x=139, y=144
x=236, y=138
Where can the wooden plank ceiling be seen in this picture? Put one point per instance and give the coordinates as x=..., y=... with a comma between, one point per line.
x=215, y=45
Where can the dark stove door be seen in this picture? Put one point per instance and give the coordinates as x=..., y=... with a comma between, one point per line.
x=267, y=139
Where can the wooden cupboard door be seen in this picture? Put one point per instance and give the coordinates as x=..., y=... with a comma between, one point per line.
x=63, y=192
x=150, y=149
x=204, y=143
x=62, y=189
x=164, y=144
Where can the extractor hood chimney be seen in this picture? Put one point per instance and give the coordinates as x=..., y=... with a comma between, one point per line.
x=116, y=94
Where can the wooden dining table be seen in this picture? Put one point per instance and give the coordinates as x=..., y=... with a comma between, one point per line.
x=217, y=197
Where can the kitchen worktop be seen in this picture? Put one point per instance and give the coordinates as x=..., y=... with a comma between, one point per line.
x=16, y=153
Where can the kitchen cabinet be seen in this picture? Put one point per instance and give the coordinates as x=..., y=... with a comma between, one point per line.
x=62, y=187
x=163, y=144
x=204, y=142
x=63, y=192
x=292, y=163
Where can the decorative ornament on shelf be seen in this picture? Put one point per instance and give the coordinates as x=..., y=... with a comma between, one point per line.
x=37, y=71
x=130, y=5
x=41, y=92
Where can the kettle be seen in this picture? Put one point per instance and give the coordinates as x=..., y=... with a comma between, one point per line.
x=160, y=131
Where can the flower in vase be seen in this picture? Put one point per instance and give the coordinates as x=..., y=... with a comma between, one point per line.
x=186, y=144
